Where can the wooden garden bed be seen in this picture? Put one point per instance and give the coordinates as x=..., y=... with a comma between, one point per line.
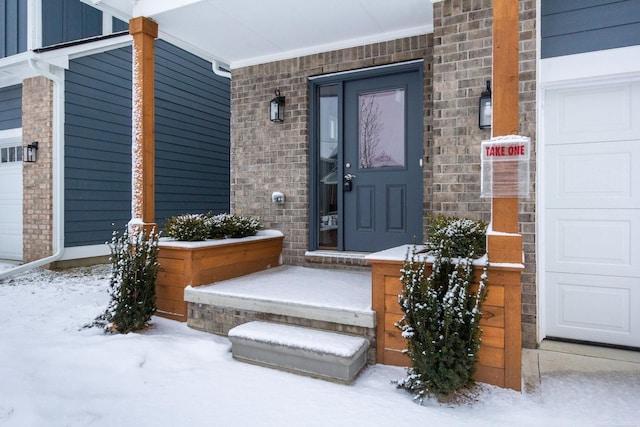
x=499, y=358
x=183, y=264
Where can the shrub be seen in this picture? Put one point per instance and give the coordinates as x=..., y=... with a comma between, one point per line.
x=441, y=312
x=227, y=225
x=134, y=262
x=457, y=237
x=188, y=227
x=195, y=227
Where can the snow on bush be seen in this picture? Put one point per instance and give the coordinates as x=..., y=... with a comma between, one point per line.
x=441, y=310
x=195, y=227
x=132, y=288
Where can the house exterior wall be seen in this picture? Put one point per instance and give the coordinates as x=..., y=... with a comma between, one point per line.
x=192, y=135
x=10, y=107
x=64, y=21
x=37, y=125
x=462, y=65
x=575, y=26
x=269, y=157
x=13, y=27
x=191, y=146
x=97, y=147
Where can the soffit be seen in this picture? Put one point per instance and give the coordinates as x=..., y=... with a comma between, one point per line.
x=247, y=32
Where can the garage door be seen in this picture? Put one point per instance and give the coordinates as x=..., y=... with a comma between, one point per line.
x=10, y=200
x=591, y=241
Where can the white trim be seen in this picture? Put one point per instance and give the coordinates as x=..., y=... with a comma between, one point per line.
x=11, y=134
x=34, y=24
x=344, y=44
x=79, y=252
x=107, y=23
x=539, y=184
x=622, y=63
x=66, y=54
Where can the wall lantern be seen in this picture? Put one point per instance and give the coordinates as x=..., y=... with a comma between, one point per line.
x=485, y=110
x=277, y=108
x=30, y=152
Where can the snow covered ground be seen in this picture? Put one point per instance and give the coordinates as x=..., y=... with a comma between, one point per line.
x=55, y=373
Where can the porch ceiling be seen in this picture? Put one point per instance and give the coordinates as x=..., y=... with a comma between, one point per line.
x=245, y=32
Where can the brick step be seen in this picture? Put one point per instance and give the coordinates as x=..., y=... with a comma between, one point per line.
x=322, y=354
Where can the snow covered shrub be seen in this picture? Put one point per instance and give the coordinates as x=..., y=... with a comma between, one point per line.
x=457, y=237
x=229, y=225
x=134, y=262
x=188, y=227
x=441, y=310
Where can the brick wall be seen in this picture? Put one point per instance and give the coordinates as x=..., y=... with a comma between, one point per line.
x=267, y=157
x=37, y=125
x=462, y=65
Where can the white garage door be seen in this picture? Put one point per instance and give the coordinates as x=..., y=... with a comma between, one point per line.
x=591, y=236
x=10, y=199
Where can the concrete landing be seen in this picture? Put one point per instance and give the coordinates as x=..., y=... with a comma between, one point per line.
x=554, y=357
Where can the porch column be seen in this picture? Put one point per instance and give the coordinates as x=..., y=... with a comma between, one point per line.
x=503, y=241
x=144, y=31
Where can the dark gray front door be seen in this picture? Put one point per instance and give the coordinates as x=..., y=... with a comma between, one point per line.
x=382, y=162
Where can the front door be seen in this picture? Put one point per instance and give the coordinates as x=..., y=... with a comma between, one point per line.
x=382, y=176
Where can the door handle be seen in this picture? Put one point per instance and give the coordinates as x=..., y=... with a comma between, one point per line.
x=347, y=185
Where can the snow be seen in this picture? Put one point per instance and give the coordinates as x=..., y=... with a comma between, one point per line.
x=349, y=290
x=260, y=235
x=297, y=337
x=54, y=372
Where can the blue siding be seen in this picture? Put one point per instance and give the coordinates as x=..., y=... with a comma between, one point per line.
x=192, y=135
x=118, y=25
x=578, y=26
x=192, y=141
x=97, y=147
x=13, y=27
x=11, y=107
x=69, y=20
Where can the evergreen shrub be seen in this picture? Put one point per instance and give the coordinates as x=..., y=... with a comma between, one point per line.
x=196, y=227
x=441, y=312
x=188, y=227
x=134, y=262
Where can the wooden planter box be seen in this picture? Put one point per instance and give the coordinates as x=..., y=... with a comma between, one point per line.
x=183, y=264
x=500, y=354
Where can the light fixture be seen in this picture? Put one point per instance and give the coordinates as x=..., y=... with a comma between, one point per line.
x=485, y=109
x=30, y=152
x=277, y=108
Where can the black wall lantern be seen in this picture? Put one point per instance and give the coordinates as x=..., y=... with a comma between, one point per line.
x=30, y=153
x=277, y=108
x=485, y=109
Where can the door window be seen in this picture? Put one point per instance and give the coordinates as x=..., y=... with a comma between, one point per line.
x=328, y=167
x=381, y=138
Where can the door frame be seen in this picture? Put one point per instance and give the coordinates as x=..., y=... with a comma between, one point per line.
x=314, y=144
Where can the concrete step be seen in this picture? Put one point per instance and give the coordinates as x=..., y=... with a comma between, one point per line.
x=317, y=353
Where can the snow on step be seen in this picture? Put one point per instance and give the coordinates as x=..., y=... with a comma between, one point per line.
x=302, y=350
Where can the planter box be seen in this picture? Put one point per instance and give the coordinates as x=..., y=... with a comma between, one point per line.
x=183, y=264
x=499, y=357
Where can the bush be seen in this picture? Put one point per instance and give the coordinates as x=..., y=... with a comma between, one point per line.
x=188, y=227
x=134, y=262
x=196, y=227
x=441, y=313
x=457, y=237
x=227, y=225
